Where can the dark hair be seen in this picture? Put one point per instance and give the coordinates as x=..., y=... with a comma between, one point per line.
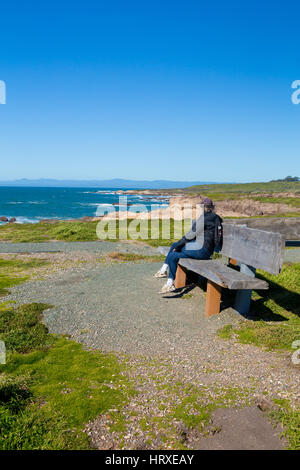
x=208, y=203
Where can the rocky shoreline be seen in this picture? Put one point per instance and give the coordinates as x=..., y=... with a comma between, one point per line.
x=242, y=206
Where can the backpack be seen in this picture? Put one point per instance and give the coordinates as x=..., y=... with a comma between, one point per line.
x=218, y=234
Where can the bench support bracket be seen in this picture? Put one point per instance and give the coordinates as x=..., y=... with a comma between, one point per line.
x=213, y=298
x=180, y=279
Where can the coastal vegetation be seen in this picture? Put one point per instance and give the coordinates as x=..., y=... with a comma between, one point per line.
x=72, y=231
x=41, y=232
x=165, y=233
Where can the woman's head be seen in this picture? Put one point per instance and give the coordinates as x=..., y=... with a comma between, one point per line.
x=208, y=204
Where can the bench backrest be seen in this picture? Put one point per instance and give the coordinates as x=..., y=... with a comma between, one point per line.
x=257, y=248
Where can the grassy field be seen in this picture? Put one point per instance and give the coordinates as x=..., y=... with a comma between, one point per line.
x=77, y=231
x=61, y=231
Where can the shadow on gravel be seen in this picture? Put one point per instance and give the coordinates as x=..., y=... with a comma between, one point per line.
x=179, y=293
x=286, y=299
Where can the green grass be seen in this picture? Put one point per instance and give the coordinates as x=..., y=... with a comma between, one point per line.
x=12, y=272
x=7, y=281
x=82, y=231
x=41, y=232
x=291, y=201
x=21, y=328
x=187, y=296
x=193, y=411
x=48, y=394
x=289, y=418
x=133, y=257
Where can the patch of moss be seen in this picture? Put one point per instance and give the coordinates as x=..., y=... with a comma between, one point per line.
x=65, y=386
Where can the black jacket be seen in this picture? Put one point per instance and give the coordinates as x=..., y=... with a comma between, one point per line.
x=210, y=220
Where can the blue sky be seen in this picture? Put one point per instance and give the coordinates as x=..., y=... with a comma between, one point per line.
x=195, y=91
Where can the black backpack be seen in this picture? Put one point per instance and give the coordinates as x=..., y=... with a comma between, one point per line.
x=218, y=234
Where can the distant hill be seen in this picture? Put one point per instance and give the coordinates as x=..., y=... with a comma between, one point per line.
x=113, y=183
x=264, y=187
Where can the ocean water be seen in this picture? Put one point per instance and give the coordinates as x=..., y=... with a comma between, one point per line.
x=30, y=205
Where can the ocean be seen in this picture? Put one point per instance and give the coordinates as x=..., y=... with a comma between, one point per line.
x=30, y=205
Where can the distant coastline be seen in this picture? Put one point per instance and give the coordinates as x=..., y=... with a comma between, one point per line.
x=117, y=183
x=32, y=204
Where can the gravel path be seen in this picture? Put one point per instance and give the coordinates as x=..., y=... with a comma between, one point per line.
x=69, y=247
x=291, y=255
x=116, y=307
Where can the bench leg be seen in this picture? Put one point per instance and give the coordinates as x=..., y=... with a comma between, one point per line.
x=213, y=298
x=243, y=301
x=243, y=296
x=180, y=279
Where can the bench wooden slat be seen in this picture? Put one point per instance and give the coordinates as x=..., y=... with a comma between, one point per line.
x=257, y=248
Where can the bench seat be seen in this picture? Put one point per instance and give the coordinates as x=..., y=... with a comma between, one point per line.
x=223, y=275
x=218, y=276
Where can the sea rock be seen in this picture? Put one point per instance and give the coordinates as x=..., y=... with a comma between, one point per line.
x=263, y=404
x=48, y=221
x=86, y=218
x=12, y=220
x=3, y=219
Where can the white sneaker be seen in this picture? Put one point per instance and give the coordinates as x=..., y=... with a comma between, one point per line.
x=160, y=274
x=167, y=288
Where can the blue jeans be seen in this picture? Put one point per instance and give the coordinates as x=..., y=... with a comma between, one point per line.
x=174, y=256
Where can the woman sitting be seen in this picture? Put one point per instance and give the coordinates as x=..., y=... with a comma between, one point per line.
x=198, y=243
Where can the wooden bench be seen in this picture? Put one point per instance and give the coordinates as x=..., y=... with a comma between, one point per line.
x=249, y=249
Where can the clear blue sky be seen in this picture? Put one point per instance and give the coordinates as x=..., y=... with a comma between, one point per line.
x=178, y=90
